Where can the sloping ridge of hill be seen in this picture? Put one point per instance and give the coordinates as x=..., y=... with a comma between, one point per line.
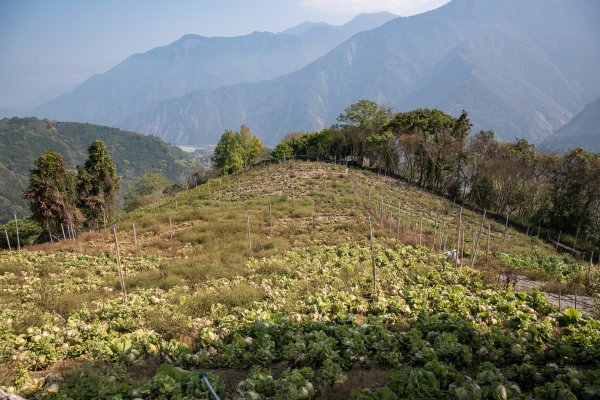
x=522, y=69
x=195, y=62
x=582, y=131
x=23, y=140
x=290, y=290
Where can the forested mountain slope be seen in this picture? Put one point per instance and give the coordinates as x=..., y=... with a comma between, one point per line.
x=22, y=140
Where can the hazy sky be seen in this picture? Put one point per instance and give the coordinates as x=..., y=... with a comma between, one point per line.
x=48, y=44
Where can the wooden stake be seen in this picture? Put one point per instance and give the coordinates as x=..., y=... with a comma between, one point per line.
x=458, y=249
x=104, y=217
x=398, y=229
x=589, y=272
x=435, y=227
x=248, y=232
x=373, y=257
x=63, y=231
x=170, y=229
x=442, y=226
x=487, y=247
x=558, y=241
x=421, y=230
x=462, y=249
x=313, y=215
x=118, y=256
x=135, y=241
x=7, y=239
x=17, y=229
x=559, y=299
x=270, y=219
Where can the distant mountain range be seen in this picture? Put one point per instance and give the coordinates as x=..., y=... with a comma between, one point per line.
x=195, y=62
x=23, y=140
x=582, y=131
x=520, y=68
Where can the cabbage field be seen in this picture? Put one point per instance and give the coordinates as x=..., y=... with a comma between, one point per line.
x=267, y=286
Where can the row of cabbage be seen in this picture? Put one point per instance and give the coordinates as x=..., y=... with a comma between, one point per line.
x=436, y=330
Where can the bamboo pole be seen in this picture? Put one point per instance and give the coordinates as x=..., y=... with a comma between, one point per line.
x=487, y=247
x=398, y=225
x=421, y=230
x=135, y=241
x=442, y=227
x=313, y=214
x=589, y=271
x=248, y=232
x=458, y=249
x=270, y=219
x=462, y=250
x=119, y=265
x=373, y=257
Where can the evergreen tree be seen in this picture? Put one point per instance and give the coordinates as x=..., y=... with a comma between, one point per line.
x=51, y=193
x=98, y=184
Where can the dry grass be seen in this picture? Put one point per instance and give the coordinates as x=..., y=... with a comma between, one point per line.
x=240, y=295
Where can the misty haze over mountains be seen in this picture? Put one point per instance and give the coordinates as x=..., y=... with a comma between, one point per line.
x=521, y=68
x=195, y=62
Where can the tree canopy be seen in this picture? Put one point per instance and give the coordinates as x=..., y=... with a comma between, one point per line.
x=51, y=193
x=98, y=184
x=237, y=151
x=436, y=151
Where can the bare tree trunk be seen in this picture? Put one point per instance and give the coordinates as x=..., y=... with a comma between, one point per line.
x=7, y=239
x=17, y=229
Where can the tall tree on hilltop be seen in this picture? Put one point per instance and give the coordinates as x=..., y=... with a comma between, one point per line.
x=435, y=140
x=237, y=151
x=52, y=193
x=251, y=146
x=98, y=184
x=360, y=121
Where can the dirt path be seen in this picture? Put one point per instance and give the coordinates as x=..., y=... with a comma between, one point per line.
x=585, y=304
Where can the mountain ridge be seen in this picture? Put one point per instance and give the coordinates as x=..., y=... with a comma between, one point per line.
x=583, y=130
x=195, y=62
x=530, y=96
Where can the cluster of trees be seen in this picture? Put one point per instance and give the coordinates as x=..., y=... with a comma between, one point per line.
x=237, y=151
x=60, y=198
x=436, y=151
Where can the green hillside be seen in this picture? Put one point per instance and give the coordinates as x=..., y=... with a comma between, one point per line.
x=274, y=284
x=22, y=140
